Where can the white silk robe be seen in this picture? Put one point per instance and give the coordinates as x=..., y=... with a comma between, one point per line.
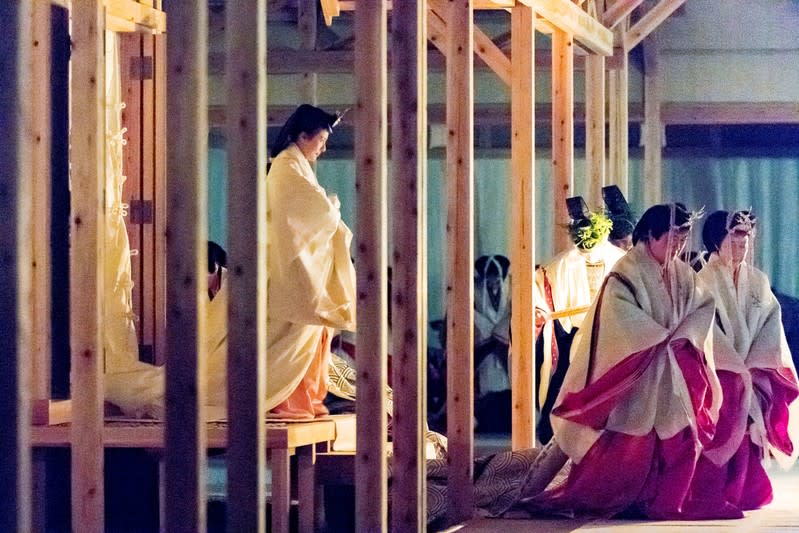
x=311, y=277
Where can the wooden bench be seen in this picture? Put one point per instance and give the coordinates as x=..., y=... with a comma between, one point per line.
x=283, y=439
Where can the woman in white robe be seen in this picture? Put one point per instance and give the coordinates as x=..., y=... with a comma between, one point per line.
x=311, y=279
x=755, y=369
x=641, y=396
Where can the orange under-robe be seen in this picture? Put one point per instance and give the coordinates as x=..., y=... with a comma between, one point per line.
x=311, y=288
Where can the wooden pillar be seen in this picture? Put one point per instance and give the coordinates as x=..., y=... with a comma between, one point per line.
x=15, y=283
x=460, y=258
x=246, y=153
x=87, y=261
x=595, y=121
x=371, y=500
x=522, y=253
x=617, y=117
x=595, y=128
x=306, y=21
x=409, y=304
x=187, y=233
x=562, y=133
x=653, y=124
x=40, y=177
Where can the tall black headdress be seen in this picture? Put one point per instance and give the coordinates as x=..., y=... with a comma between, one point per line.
x=619, y=212
x=587, y=229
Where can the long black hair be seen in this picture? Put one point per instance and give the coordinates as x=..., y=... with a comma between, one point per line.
x=657, y=220
x=306, y=119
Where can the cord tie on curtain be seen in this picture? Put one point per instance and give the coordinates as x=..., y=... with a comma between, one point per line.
x=119, y=209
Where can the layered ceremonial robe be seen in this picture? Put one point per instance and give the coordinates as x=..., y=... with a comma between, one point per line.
x=492, y=323
x=759, y=382
x=566, y=282
x=640, y=396
x=311, y=287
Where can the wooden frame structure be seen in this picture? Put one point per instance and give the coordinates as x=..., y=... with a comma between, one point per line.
x=451, y=24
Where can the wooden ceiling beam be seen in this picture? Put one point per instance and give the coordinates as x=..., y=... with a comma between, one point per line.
x=131, y=16
x=484, y=47
x=618, y=10
x=283, y=61
x=711, y=113
x=484, y=114
x=649, y=22
x=568, y=16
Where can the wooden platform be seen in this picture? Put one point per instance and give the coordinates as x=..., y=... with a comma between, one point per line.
x=283, y=439
x=782, y=515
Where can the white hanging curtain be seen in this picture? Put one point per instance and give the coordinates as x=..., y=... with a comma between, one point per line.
x=135, y=387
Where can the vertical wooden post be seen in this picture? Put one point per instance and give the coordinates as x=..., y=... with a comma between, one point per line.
x=41, y=299
x=246, y=136
x=186, y=234
x=160, y=193
x=460, y=258
x=653, y=125
x=371, y=501
x=87, y=260
x=619, y=128
x=595, y=128
x=39, y=136
x=15, y=261
x=409, y=162
x=522, y=251
x=562, y=132
x=306, y=20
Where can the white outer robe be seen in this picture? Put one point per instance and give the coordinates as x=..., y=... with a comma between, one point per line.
x=567, y=275
x=311, y=279
x=752, y=338
x=630, y=324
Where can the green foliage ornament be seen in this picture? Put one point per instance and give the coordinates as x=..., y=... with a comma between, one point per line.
x=589, y=232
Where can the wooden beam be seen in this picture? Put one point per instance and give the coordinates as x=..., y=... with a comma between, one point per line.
x=246, y=157
x=689, y=113
x=618, y=11
x=187, y=131
x=562, y=133
x=569, y=18
x=653, y=126
x=290, y=61
x=87, y=261
x=490, y=53
x=484, y=47
x=437, y=34
x=409, y=301
x=522, y=228
x=129, y=15
x=460, y=258
x=371, y=495
x=15, y=283
x=330, y=9
x=595, y=121
x=500, y=114
x=649, y=22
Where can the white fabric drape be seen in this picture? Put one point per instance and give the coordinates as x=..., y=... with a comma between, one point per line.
x=135, y=387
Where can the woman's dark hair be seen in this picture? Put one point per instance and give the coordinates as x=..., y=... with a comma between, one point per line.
x=657, y=220
x=714, y=230
x=306, y=119
x=217, y=257
x=718, y=225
